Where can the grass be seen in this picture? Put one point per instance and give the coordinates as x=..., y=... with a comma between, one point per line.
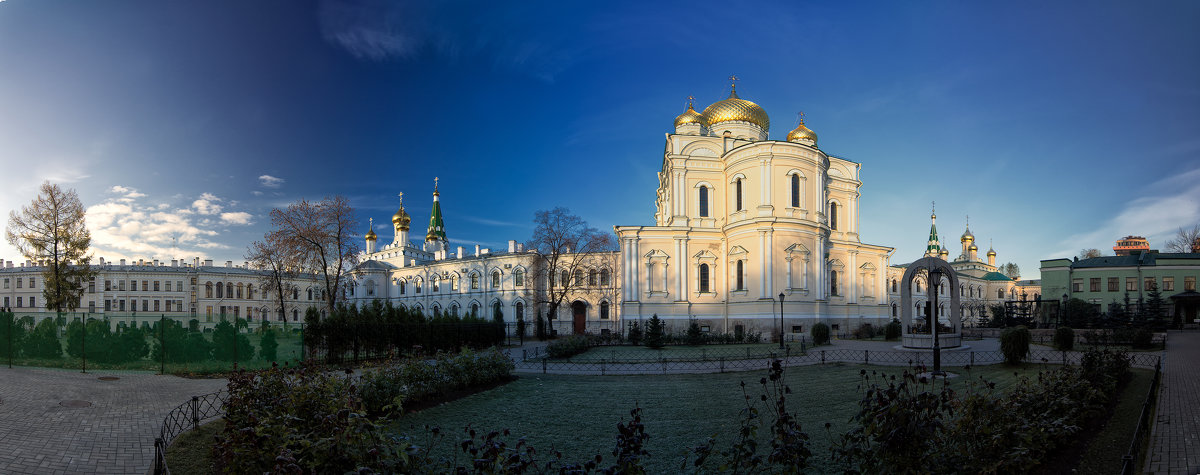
x=679, y=353
x=191, y=452
x=577, y=415
x=1103, y=454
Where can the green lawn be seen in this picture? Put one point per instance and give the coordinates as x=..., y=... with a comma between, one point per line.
x=191, y=452
x=629, y=353
x=577, y=415
x=1103, y=454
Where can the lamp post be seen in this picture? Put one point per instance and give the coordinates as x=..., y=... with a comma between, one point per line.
x=935, y=280
x=781, y=320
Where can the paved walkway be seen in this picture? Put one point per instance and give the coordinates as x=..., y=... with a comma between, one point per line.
x=115, y=434
x=1175, y=445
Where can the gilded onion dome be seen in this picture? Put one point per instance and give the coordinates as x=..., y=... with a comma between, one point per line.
x=802, y=133
x=371, y=235
x=401, y=219
x=991, y=252
x=690, y=116
x=735, y=108
x=967, y=236
x=972, y=247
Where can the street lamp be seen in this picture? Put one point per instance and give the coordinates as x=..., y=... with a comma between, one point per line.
x=781, y=320
x=935, y=279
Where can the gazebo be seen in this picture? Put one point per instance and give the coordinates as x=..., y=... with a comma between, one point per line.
x=922, y=336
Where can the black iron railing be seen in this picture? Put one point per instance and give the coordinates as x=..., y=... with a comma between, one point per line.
x=185, y=417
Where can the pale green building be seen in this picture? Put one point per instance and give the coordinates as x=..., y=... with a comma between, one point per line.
x=1108, y=279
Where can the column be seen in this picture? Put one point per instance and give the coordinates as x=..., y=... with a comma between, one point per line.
x=770, y=258
x=762, y=264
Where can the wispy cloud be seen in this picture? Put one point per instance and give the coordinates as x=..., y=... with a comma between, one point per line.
x=270, y=181
x=239, y=217
x=1175, y=203
x=133, y=225
x=207, y=204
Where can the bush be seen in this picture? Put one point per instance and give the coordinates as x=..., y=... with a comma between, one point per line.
x=388, y=388
x=893, y=330
x=694, y=335
x=269, y=344
x=43, y=342
x=635, y=333
x=655, y=332
x=864, y=332
x=1142, y=338
x=820, y=333
x=1064, y=339
x=1014, y=343
x=230, y=345
x=567, y=347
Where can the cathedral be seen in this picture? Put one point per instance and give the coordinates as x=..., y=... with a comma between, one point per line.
x=750, y=233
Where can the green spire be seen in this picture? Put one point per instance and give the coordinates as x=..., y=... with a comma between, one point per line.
x=437, y=228
x=934, y=246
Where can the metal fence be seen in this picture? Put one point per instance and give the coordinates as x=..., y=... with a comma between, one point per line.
x=738, y=360
x=185, y=417
x=1129, y=460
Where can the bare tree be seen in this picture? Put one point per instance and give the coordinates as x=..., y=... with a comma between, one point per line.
x=563, y=243
x=1089, y=253
x=320, y=237
x=270, y=256
x=1186, y=240
x=1011, y=270
x=51, y=232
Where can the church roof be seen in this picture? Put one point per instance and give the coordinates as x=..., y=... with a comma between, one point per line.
x=996, y=276
x=437, y=228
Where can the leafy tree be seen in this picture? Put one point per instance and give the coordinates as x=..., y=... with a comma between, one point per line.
x=999, y=315
x=43, y=342
x=1186, y=240
x=225, y=336
x=52, y=233
x=279, y=268
x=820, y=333
x=321, y=236
x=655, y=332
x=562, y=244
x=893, y=330
x=12, y=332
x=1089, y=253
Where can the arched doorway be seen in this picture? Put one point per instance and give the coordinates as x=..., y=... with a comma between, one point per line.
x=579, y=314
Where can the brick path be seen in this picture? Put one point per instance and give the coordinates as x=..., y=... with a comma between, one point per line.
x=1175, y=445
x=114, y=435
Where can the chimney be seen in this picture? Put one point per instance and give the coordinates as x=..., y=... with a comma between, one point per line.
x=122, y=261
x=520, y=247
x=228, y=264
x=476, y=250
x=174, y=262
x=512, y=245
x=460, y=252
x=483, y=251
x=208, y=262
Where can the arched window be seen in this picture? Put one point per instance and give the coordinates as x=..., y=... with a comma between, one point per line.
x=565, y=281
x=605, y=277
x=497, y=311
x=454, y=310
x=578, y=277
x=370, y=288
x=229, y=289
x=741, y=282
x=239, y=290
x=417, y=284
x=604, y=310
x=208, y=290
x=250, y=291
x=295, y=294
x=1000, y=293
x=833, y=216
x=520, y=311
x=402, y=287
x=704, y=277
x=738, y=195
x=795, y=190
x=833, y=284
x=893, y=285
x=962, y=291
x=519, y=277
x=703, y=201
x=454, y=281
x=474, y=281
x=220, y=290
x=893, y=310
x=495, y=279
x=310, y=294
x=433, y=284
x=474, y=310
x=295, y=315
x=592, y=278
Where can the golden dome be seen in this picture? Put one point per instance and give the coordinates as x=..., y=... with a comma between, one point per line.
x=738, y=109
x=690, y=116
x=401, y=219
x=972, y=247
x=991, y=252
x=801, y=133
x=371, y=235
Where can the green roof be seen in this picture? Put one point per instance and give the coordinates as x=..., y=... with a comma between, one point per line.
x=996, y=276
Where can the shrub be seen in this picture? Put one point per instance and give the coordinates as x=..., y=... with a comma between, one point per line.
x=43, y=342
x=567, y=347
x=399, y=382
x=820, y=333
x=269, y=345
x=11, y=334
x=1064, y=339
x=1142, y=338
x=1014, y=343
x=635, y=333
x=864, y=332
x=694, y=335
x=893, y=330
x=230, y=345
x=655, y=332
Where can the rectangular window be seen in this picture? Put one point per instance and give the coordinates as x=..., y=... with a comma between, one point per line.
x=18, y=282
x=33, y=301
x=1094, y=284
x=107, y=305
x=146, y=285
x=1076, y=285
x=6, y=284
x=1114, y=284
x=92, y=286
x=121, y=305
x=107, y=285
x=1151, y=284
x=6, y=301
x=1168, y=283
x=156, y=286
x=703, y=201
x=18, y=302
x=1189, y=283
x=208, y=313
x=145, y=305
x=121, y=285
x=92, y=307
x=32, y=284
x=1131, y=283
x=179, y=306
x=797, y=328
x=179, y=284
x=156, y=306
x=168, y=284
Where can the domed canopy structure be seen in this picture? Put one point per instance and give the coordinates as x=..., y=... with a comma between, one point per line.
x=690, y=116
x=802, y=134
x=736, y=109
x=401, y=219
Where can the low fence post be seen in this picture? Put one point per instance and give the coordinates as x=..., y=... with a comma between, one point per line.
x=524, y=355
x=722, y=364
x=602, y=368
x=866, y=356
x=158, y=456
x=822, y=356
x=543, y=366
x=1064, y=357
x=195, y=412
x=972, y=358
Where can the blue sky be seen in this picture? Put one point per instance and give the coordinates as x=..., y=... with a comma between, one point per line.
x=1054, y=125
